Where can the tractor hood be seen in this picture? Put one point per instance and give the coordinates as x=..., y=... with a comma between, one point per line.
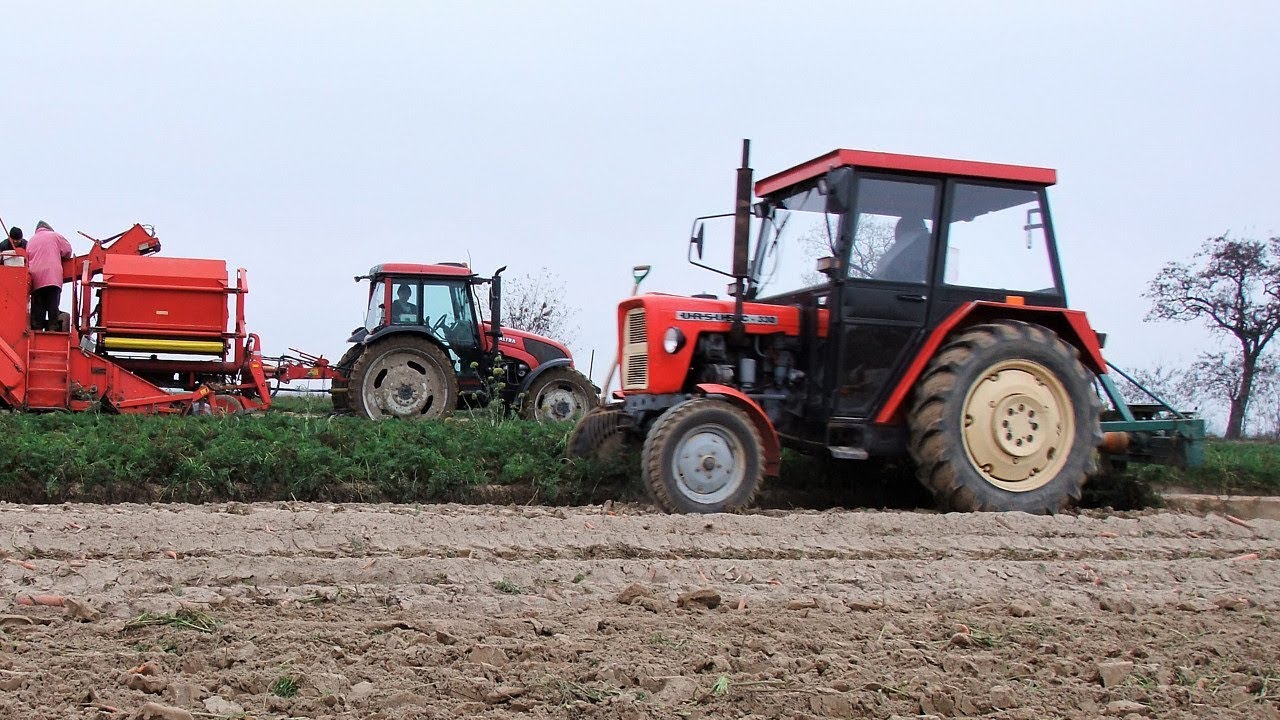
x=529, y=347
x=644, y=322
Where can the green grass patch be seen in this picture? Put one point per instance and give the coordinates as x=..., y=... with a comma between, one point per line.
x=185, y=619
x=285, y=686
x=1230, y=467
x=119, y=458
x=308, y=403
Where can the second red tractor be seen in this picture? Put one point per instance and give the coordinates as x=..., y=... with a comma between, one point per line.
x=893, y=306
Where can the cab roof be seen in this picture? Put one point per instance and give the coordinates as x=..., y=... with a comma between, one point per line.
x=907, y=163
x=451, y=269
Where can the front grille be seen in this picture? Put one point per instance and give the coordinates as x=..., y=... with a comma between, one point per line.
x=635, y=351
x=637, y=373
x=637, y=328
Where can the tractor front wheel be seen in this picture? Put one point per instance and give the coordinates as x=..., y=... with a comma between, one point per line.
x=598, y=435
x=1005, y=418
x=404, y=377
x=560, y=394
x=703, y=456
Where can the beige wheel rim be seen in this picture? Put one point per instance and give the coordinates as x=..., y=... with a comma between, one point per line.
x=1018, y=425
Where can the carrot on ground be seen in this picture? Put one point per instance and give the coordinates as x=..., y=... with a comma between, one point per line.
x=46, y=600
x=21, y=563
x=1238, y=521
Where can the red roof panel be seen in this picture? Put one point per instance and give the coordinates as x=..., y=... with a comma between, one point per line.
x=907, y=163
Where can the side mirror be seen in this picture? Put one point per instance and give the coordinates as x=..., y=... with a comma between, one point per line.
x=696, y=240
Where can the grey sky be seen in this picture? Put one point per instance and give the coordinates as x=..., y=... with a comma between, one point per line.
x=308, y=141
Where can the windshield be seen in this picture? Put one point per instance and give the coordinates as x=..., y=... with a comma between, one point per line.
x=791, y=240
x=373, y=318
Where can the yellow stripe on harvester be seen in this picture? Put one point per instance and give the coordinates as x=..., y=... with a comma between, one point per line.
x=193, y=347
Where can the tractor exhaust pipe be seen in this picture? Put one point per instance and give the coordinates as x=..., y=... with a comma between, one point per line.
x=495, y=306
x=741, y=243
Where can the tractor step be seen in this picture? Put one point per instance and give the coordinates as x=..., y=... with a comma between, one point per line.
x=844, y=452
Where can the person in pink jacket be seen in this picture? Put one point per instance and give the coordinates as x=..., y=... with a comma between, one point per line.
x=46, y=250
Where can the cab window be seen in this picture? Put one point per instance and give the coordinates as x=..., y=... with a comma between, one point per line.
x=447, y=314
x=893, y=230
x=996, y=239
x=405, y=305
x=373, y=317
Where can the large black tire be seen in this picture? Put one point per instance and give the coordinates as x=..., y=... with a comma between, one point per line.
x=703, y=456
x=1005, y=418
x=338, y=388
x=404, y=377
x=598, y=435
x=560, y=394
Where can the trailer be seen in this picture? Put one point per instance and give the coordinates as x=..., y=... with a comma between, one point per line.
x=144, y=334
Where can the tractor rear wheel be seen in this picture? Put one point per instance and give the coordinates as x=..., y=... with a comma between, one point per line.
x=560, y=394
x=598, y=435
x=703, y=456
x=338, y=388
x=403, y=377
x=1005, y=418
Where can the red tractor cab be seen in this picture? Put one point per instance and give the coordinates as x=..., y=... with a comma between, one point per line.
x=424, y=351
x=891, y=306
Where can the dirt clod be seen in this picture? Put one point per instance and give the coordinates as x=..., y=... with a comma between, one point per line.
x=1111, y=674
x=706, y=597
x=156, y=711
x=1122, y=708
x=633, y=592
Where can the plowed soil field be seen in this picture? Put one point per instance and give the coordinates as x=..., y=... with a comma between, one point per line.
x=381, y=611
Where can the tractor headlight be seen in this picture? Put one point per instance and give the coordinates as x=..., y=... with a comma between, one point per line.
x=673, y=340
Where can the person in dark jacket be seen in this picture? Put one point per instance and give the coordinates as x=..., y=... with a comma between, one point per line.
x=14, y=241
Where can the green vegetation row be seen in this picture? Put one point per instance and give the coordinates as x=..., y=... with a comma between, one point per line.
x=1230, y=467
x=111, y=458
x=468, y=458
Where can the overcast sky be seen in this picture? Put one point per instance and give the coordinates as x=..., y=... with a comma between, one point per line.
x=307, y=141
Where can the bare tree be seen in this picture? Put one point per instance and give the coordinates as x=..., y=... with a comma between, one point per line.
x=1233, y=287
x=1169, y=383
x=535, y=303
x=871, y=241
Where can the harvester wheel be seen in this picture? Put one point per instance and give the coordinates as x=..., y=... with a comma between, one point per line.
x=560, y=394
x=598, y=435
x=338, y=388
x=1005, y=418
x=703, y=456
x=223, y=404
x=403, y=377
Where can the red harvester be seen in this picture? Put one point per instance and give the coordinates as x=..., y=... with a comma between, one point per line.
x=145, y=334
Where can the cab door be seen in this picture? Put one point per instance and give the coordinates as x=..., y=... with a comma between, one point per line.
x=884, y=302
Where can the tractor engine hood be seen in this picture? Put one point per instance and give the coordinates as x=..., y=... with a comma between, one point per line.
x=644, y=322
x=531, y=348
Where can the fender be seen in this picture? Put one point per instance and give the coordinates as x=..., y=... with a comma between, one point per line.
x=533, y=374
x=768, y=436
x=402, y=329
x=1071, y=325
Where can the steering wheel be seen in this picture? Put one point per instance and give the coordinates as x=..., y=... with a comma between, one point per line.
x=435, y=327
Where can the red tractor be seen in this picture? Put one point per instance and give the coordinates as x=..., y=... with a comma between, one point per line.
x=424, y=351
x=893, y=306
